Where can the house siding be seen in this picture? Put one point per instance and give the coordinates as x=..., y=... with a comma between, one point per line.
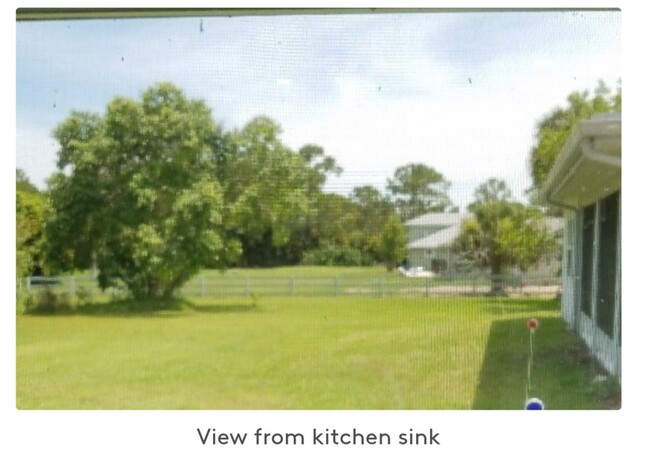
x=591, y=302
x=431, y=237
x=586, y=178
x=432, y=254
x=432, y=259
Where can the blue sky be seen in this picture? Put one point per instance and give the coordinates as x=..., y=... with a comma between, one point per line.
x=460, y=92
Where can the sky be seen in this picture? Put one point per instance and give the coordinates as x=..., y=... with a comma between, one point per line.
x=460, y=92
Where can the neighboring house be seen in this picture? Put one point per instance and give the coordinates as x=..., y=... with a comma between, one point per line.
x=430, y=239
x=586, y=181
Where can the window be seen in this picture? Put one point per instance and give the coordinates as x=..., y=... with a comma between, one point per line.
x=438, y=265
x=588, y=217
x=607, y=253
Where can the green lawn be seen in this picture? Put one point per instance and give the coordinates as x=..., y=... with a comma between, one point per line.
x=305, y=353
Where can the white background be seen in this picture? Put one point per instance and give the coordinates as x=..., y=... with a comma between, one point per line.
x=70, y=434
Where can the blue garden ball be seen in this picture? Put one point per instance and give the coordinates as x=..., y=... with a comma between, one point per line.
x=534, y=404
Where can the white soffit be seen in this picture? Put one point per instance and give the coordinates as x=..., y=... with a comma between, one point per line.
x=589, y=166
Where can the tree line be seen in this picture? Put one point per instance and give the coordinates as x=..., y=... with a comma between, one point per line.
x=155, y=189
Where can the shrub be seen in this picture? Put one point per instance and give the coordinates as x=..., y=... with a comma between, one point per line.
x=334, y=255
x=48, y=302
x=84, y=296
x=24, y=302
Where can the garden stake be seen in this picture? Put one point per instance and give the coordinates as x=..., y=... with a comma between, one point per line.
x=532, y=403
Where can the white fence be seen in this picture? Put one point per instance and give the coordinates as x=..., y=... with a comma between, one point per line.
x=220, y=285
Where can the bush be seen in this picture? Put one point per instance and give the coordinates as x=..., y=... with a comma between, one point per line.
x=334, y=255
x=47, y=302
x=84, y=296
x=24, y=302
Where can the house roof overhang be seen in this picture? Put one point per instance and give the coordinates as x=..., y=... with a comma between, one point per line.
x=589, y=166
x=436, y=240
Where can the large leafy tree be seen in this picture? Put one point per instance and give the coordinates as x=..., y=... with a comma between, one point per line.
x=553, y=130
x=31, y=211
x=319, y=167
x=502, y=233
x=336, y=219
x=267, y=188
x=275, y=202
x=418, y=189
x=24, y=184
x=314, y=228
x=136, y=194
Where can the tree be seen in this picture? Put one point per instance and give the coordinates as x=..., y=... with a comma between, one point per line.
x=136, y=193
x=311, y=232
x=493, y=190
x=336, y=219
x=418, y=189
x=393, y=242
x=374, y=210
x=23, y=183
x=31, y=211
x=319, y=165
x=267, y=188
x=502, y=233
x=554, y=129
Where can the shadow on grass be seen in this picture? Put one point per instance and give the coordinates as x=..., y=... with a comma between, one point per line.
x=563, y=376
x=172, y=307
x=126, y=308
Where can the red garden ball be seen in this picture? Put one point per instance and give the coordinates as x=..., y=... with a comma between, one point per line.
x=533, y=324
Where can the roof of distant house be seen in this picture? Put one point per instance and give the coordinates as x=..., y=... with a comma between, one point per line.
x=452, y=224
x=437, y=239
x=436, y=219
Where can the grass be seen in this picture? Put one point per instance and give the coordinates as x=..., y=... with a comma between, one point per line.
x=304, y=353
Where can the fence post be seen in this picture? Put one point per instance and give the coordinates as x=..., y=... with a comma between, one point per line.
x=337, y=286
x=28, y=282
x=73, y=287
x=247, y=291
x=292, y=281
x=202, y=285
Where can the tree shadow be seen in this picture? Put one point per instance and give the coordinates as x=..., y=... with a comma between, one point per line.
x=134, y=308
x=563, y=375
x=165, y=307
